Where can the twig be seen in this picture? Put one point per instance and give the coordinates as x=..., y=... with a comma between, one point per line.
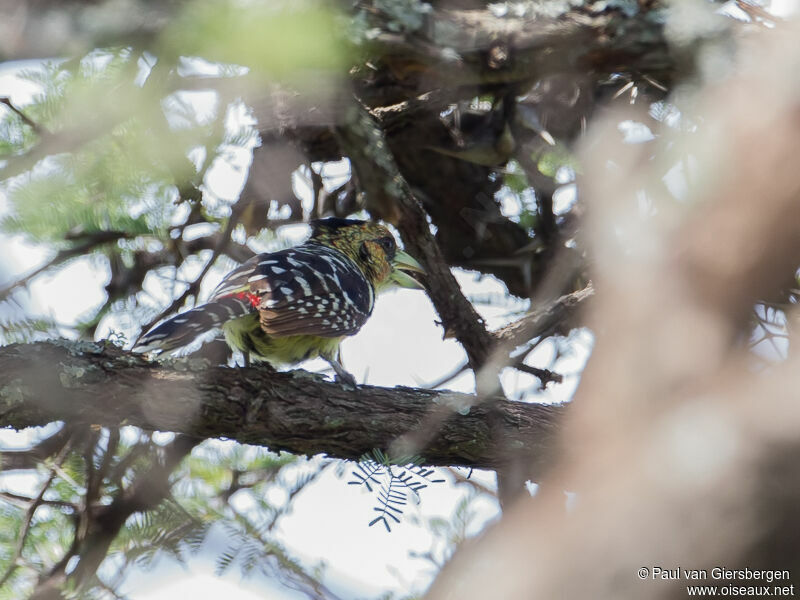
x=447, y=378
x=13, y=564
x=534, y=323
x=545, y=375
x=297, y=578
x=95, y=240
x=753, y=10
x=21, y=500
x=280, y=512
x=459, y=478
x=25, y=118
x=317, y=189
x=194, y=287
x=110, y=589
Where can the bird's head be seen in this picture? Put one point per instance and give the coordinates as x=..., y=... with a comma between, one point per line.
x=372, y=247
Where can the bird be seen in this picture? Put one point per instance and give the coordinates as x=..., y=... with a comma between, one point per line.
x=299, y=303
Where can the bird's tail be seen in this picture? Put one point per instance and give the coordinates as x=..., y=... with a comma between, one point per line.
x=184, y=328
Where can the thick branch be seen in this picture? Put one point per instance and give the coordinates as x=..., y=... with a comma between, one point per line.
x=27, y=30
x=294, y=411
x=555, y=37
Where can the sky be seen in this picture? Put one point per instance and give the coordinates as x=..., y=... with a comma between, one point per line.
x=401, y=344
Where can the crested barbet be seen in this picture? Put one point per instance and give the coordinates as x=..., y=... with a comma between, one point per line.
x=288, y=306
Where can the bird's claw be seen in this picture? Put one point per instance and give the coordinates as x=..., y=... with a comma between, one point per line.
x=346, y=380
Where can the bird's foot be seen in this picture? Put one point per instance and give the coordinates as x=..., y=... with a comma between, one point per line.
x=343, y=378
x=262, y=365
x=346, y=380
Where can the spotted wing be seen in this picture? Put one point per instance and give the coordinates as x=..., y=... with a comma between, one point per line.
x=308, y=290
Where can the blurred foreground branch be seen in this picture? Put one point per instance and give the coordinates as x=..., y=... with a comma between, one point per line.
x=682, y=453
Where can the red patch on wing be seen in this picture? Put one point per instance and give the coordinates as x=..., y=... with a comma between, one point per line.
x=250, y=297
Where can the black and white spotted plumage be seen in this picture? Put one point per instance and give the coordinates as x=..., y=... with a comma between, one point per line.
x=311, y=290
x=298, y=303
x=185, y=328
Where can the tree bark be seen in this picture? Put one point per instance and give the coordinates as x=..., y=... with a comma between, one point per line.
x=295, y=411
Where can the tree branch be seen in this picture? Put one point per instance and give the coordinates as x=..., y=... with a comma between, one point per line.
x=294, y=411
x=539, y=321
x=90, y=242
x=28, y=459
x=25, y=118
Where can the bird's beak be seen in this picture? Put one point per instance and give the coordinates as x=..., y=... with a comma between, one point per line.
x=402, y=265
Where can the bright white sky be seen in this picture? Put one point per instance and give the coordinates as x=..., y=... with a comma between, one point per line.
x=399, y=345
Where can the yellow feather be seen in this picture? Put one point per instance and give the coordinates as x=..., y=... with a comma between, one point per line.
x=245, y=334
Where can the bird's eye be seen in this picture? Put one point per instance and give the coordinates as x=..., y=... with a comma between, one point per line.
x=388, y=244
